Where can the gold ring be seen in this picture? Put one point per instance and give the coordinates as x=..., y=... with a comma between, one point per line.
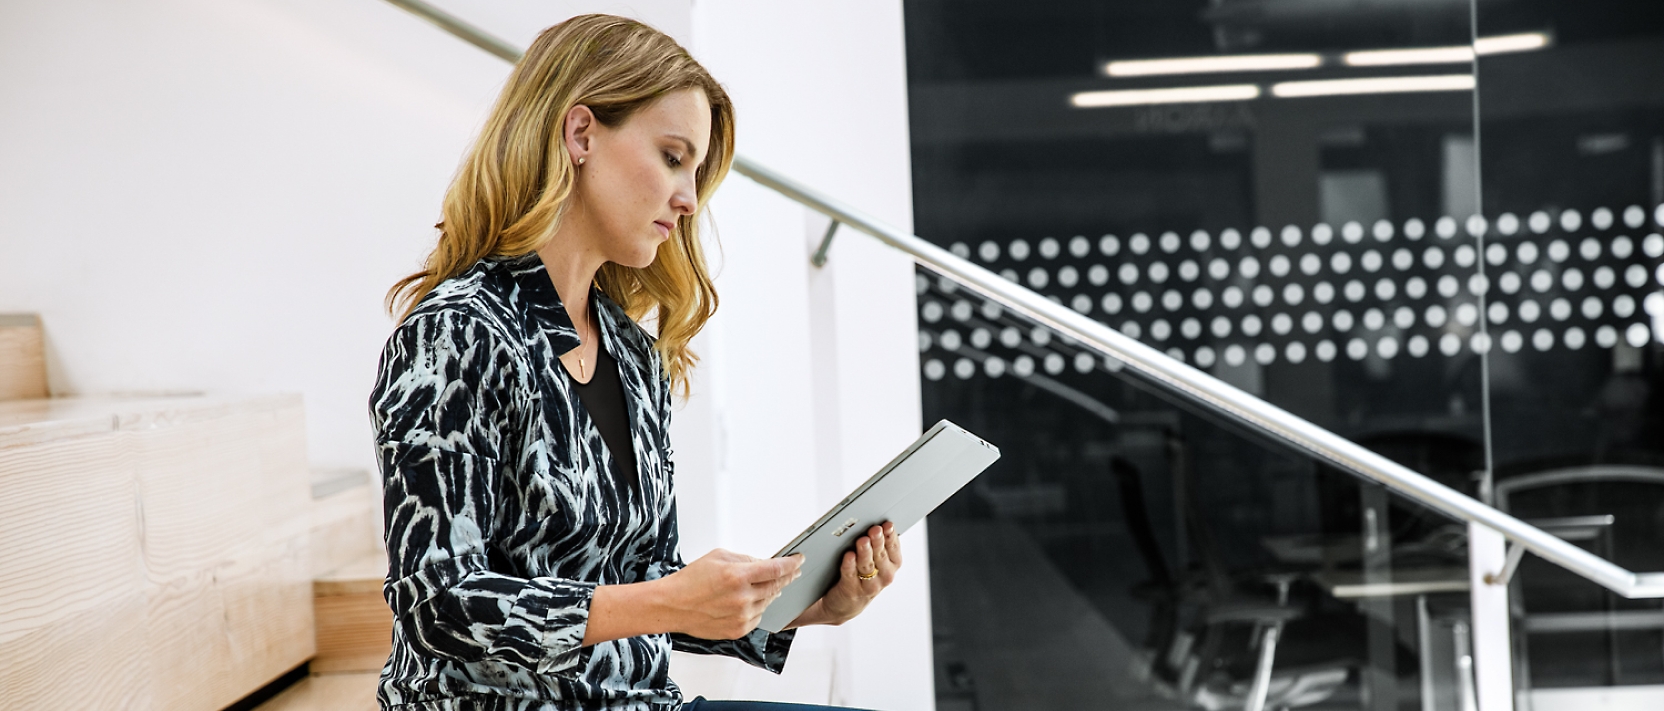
x=868, y=576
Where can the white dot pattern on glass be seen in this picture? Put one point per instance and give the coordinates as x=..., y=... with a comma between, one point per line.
x=1622, y=247
x=1568, y=273
x=1570, y=220
x=1265, y=354
x=1574, y=338
x=1601, y=218
x=1160, y=330
x=1084, y=362
x=1205, y=357
x=1322, y=234
x=1414, y=228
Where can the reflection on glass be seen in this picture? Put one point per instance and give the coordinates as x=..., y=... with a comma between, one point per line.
x=1572, y=170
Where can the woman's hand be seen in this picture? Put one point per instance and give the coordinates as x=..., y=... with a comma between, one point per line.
x=865, y=572
x=722, y=595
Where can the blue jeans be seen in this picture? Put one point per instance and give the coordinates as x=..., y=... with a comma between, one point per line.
x=700, y=704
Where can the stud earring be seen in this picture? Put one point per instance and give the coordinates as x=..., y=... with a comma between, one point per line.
x=580, y=161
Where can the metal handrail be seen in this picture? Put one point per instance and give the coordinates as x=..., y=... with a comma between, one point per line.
x=1175, y=376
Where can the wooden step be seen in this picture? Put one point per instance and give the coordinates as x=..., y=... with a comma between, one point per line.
x=355, y=628
x=327, y=692
x=22, y=357
x=156, y=551
x=346, y=519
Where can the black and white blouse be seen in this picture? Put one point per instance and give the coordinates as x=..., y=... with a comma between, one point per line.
x=505, y=509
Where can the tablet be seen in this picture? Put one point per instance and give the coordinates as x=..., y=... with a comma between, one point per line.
x=936, y=465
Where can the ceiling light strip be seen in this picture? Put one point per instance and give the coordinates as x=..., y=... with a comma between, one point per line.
x=1373, y=85
x=1212, y=65
x=1182, y=95
x=1399, y=57
x=1500, y=44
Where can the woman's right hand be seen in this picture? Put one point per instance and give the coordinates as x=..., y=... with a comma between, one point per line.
x=722, y=595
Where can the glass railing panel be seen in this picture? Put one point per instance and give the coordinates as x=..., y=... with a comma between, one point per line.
x=1129, y=546
x=1572, y=166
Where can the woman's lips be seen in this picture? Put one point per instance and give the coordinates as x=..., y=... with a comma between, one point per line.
x=664, y=228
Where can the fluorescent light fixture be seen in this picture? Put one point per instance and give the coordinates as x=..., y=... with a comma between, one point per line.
x=1501, y=44
x=1212, y=65
x=1394, y=57
x=1182, y=95
x=1374, y=85
x=1447, y=55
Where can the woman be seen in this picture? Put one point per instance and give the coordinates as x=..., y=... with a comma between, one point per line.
x=522, y=416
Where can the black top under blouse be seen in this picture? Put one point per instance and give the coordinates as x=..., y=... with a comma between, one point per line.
x=603, y=397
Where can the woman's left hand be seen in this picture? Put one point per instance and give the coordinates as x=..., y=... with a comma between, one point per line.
x=865, y=572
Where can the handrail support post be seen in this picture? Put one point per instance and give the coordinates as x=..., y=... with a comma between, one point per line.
x=1516, y=552
x=819, y=258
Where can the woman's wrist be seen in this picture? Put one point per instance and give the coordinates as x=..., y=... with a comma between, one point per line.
x=630, y=610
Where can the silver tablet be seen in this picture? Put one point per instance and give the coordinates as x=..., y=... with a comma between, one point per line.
x=936, y=465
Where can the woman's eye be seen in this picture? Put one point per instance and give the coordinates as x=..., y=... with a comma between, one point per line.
x=673, y=160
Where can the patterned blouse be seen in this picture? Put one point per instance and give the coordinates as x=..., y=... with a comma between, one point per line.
x=505, y=508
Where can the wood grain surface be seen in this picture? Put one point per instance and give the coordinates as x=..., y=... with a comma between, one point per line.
x=327, y=692
x=355, y=627
x=156, y=551
x=22, y=357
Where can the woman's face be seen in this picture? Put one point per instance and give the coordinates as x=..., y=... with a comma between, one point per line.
x=637, y=178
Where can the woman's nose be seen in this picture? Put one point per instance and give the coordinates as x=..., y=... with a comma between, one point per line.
x=684, y=200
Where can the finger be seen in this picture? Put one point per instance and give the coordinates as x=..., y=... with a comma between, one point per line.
x=894, y=547
x=876, y=535
x=846, y=570
x=772, y=569
x=865, y=566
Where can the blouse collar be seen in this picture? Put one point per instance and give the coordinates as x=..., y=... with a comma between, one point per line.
x=543, y=306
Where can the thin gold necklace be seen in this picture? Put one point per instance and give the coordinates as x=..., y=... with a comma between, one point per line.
x=582, y=373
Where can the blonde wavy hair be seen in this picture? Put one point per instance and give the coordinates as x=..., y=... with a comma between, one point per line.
x=512, y=189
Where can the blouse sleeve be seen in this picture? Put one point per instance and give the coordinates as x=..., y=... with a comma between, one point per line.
x=760, y=648
x=442, y=408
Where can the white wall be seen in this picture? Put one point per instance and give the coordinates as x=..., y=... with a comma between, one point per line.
x=821, y=95
x=214, y=195
x=205, y=195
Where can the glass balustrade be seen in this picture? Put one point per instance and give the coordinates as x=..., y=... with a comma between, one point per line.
x=1127, y=550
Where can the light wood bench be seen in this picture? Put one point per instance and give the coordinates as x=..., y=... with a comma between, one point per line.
x=22, y=357
x=156, y=551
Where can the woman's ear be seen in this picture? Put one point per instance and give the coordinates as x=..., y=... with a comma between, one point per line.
x=578, y=131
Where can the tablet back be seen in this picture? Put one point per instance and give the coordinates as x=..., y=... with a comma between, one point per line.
x=936, y=465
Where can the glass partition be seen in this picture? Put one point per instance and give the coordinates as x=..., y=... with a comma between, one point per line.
x=1128, y=549
x=1279, y=194
x=1572, y=167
